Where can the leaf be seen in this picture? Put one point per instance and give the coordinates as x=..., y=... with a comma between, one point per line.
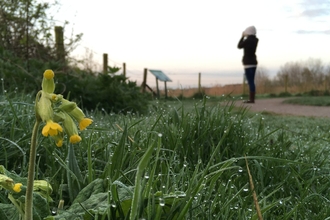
x=40, y=200
x=8, y=212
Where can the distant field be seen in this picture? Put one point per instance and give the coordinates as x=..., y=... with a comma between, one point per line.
x=234, y=89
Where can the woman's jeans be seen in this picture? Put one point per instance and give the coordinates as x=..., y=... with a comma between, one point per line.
x=250, y=74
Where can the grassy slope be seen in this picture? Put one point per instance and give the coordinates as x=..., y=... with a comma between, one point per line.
x=201, y=148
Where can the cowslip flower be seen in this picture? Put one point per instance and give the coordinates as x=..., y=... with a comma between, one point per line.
x=17, y=187
x=84, y=123
x=75, y=139
x=42, y=185
x=44, y=109
x=48, y=110
x=76, y=113
x=58, y=139
x=43, y=188
x=57, y=112
x=48, y=84
x=9, y=184
x=51, y=129
x=44, y=106
x=71, y=129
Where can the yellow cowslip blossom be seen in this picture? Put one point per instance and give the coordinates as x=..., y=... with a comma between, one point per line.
x=76, y=113
x=54, y=110
x=17, y=187
x=51, y=129
x=9, y=184
x=58, y=139
x=55, y=97
x=71, y=129
x=59, y=143
x=75, y=139
x=48, y=84
x=84, y=123
x=49, y=74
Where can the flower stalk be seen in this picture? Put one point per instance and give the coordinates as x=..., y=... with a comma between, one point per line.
x=32, y=162
x=53, y=110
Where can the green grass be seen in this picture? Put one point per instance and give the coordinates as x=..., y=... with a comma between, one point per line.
x=310, y=100
x=183, y=160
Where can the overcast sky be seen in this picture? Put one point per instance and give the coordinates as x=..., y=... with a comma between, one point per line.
x=185, y=37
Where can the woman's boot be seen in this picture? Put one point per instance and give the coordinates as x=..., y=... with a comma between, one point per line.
x=252, y=97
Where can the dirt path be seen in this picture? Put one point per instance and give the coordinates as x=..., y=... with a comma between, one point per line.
x=275, y=105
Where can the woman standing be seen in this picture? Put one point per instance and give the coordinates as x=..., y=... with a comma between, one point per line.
x=249, y=43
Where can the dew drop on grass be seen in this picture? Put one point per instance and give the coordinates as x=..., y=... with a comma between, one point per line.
x=161, y=202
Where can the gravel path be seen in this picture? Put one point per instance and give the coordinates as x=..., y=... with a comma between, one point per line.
x=275, y=105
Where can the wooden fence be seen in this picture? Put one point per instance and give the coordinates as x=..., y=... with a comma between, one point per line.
x=235, y=89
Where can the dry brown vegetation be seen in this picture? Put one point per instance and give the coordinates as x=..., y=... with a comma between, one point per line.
x=294, y=77
x=235, y=89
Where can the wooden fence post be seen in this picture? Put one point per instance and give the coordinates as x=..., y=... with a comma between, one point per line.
x=59, y=41
x=144, y=83
x=105, y=63
x=158, y=94
x=124, y=69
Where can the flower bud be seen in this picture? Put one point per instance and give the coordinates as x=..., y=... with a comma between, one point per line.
x=80, y=117
x=71, y=129
x=48, y=84
x=9, y=184
x=44, y=108
x=42, y=185
x=67, y=106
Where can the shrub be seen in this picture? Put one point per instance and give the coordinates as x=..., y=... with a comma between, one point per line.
x=106, y=92
x=284, y=94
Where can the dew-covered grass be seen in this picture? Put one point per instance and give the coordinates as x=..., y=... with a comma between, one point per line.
x=183, y=160
x=310, y=100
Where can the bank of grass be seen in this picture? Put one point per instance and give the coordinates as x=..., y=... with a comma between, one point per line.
x=183, y=160
x=309, y=100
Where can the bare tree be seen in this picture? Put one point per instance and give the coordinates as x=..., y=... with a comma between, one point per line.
x=327, y=77
x=86, y=61
x=290, y=73
x=306, y=75
x=316, y=69
x=262, y=79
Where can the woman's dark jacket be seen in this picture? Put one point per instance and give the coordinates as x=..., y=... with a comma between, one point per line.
x=249, y=44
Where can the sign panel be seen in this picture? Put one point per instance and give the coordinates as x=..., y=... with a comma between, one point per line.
x=160, y=75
